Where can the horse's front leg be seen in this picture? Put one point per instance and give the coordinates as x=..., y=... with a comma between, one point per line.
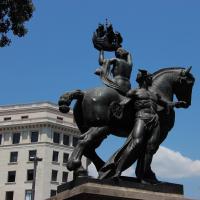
x=91, y=153
x=85, y=145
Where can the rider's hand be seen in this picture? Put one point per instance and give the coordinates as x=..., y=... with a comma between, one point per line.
x=181, y=104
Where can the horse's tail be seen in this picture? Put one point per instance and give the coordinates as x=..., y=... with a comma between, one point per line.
x=66, y=99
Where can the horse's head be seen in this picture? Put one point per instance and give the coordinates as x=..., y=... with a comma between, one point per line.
x=184, y=85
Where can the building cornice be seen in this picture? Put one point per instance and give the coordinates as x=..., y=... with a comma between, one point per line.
x=36, y=125
x=32, y=108
x=18, y=122
x=38, y=144
x=28, y=105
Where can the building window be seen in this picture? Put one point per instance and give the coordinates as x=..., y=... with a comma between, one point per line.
x=75, y=141
x=11, y=176
x=34, y=136
x=56, y=137
x=0, y=139
x=28, y=195
x=30, y=174
x=7, y=118
x=13, y=157
x=65, y=157
x=59, y=118
x=32, y=153
x=55, y=156
x=54, y=175
x=66, y=140
x=24, y=117
x=53, y=193
x=9, y=195
x=64, y=177
x=16, y=138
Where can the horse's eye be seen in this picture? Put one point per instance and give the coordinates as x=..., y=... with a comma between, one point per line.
x=183, y=73
x=182, y=80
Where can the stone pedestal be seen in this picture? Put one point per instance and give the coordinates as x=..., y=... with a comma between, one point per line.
x=125, y=189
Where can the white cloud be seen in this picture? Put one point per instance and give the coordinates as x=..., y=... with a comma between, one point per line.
x=129, y=172
x=171, y=164
x=92, y=171
x=167, y=164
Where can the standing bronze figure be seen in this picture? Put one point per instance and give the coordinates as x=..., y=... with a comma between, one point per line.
x=143, y=140
x=144, y=115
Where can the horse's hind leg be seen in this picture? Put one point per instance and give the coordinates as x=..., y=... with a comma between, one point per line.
x=87, y=143
x=92, y=155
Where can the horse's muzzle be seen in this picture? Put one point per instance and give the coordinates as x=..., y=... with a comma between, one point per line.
x=186, y=105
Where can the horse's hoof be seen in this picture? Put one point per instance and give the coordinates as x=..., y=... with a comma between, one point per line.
x=73, y=164
x=81, y=172
x=64, y=109
x=115, y=178
x=145, y=182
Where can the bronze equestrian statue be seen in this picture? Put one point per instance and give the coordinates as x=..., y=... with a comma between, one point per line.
x=144, y=115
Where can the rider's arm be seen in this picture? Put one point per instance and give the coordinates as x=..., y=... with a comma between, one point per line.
x=101, y=57
x=129, y=59
x=164, y=103
x=167, y=104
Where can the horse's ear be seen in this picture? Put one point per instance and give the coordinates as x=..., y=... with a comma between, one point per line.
x=184, y=72
x=188, y=70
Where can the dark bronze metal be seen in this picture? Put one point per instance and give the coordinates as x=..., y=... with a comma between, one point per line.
x=116, y=72
x=104, y=38
x=144, y=115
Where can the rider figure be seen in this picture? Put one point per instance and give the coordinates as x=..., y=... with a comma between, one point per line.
x=117, y=77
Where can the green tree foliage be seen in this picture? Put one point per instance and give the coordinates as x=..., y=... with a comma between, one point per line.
x=13, y=15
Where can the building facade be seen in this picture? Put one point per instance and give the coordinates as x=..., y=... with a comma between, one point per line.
x=30, y=130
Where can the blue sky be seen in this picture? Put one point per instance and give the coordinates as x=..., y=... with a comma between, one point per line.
x=57, y=55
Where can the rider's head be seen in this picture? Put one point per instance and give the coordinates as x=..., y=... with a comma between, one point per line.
x=144, y=78
x=121, y=53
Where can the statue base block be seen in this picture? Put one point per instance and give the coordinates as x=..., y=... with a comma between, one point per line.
x=126, y=188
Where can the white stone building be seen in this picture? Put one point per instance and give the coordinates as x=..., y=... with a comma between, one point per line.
x=28, y=130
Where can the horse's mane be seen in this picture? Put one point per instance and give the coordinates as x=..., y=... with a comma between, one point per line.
x=162, y=70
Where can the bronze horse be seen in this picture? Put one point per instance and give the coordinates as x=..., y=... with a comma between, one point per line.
x=102, y=111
